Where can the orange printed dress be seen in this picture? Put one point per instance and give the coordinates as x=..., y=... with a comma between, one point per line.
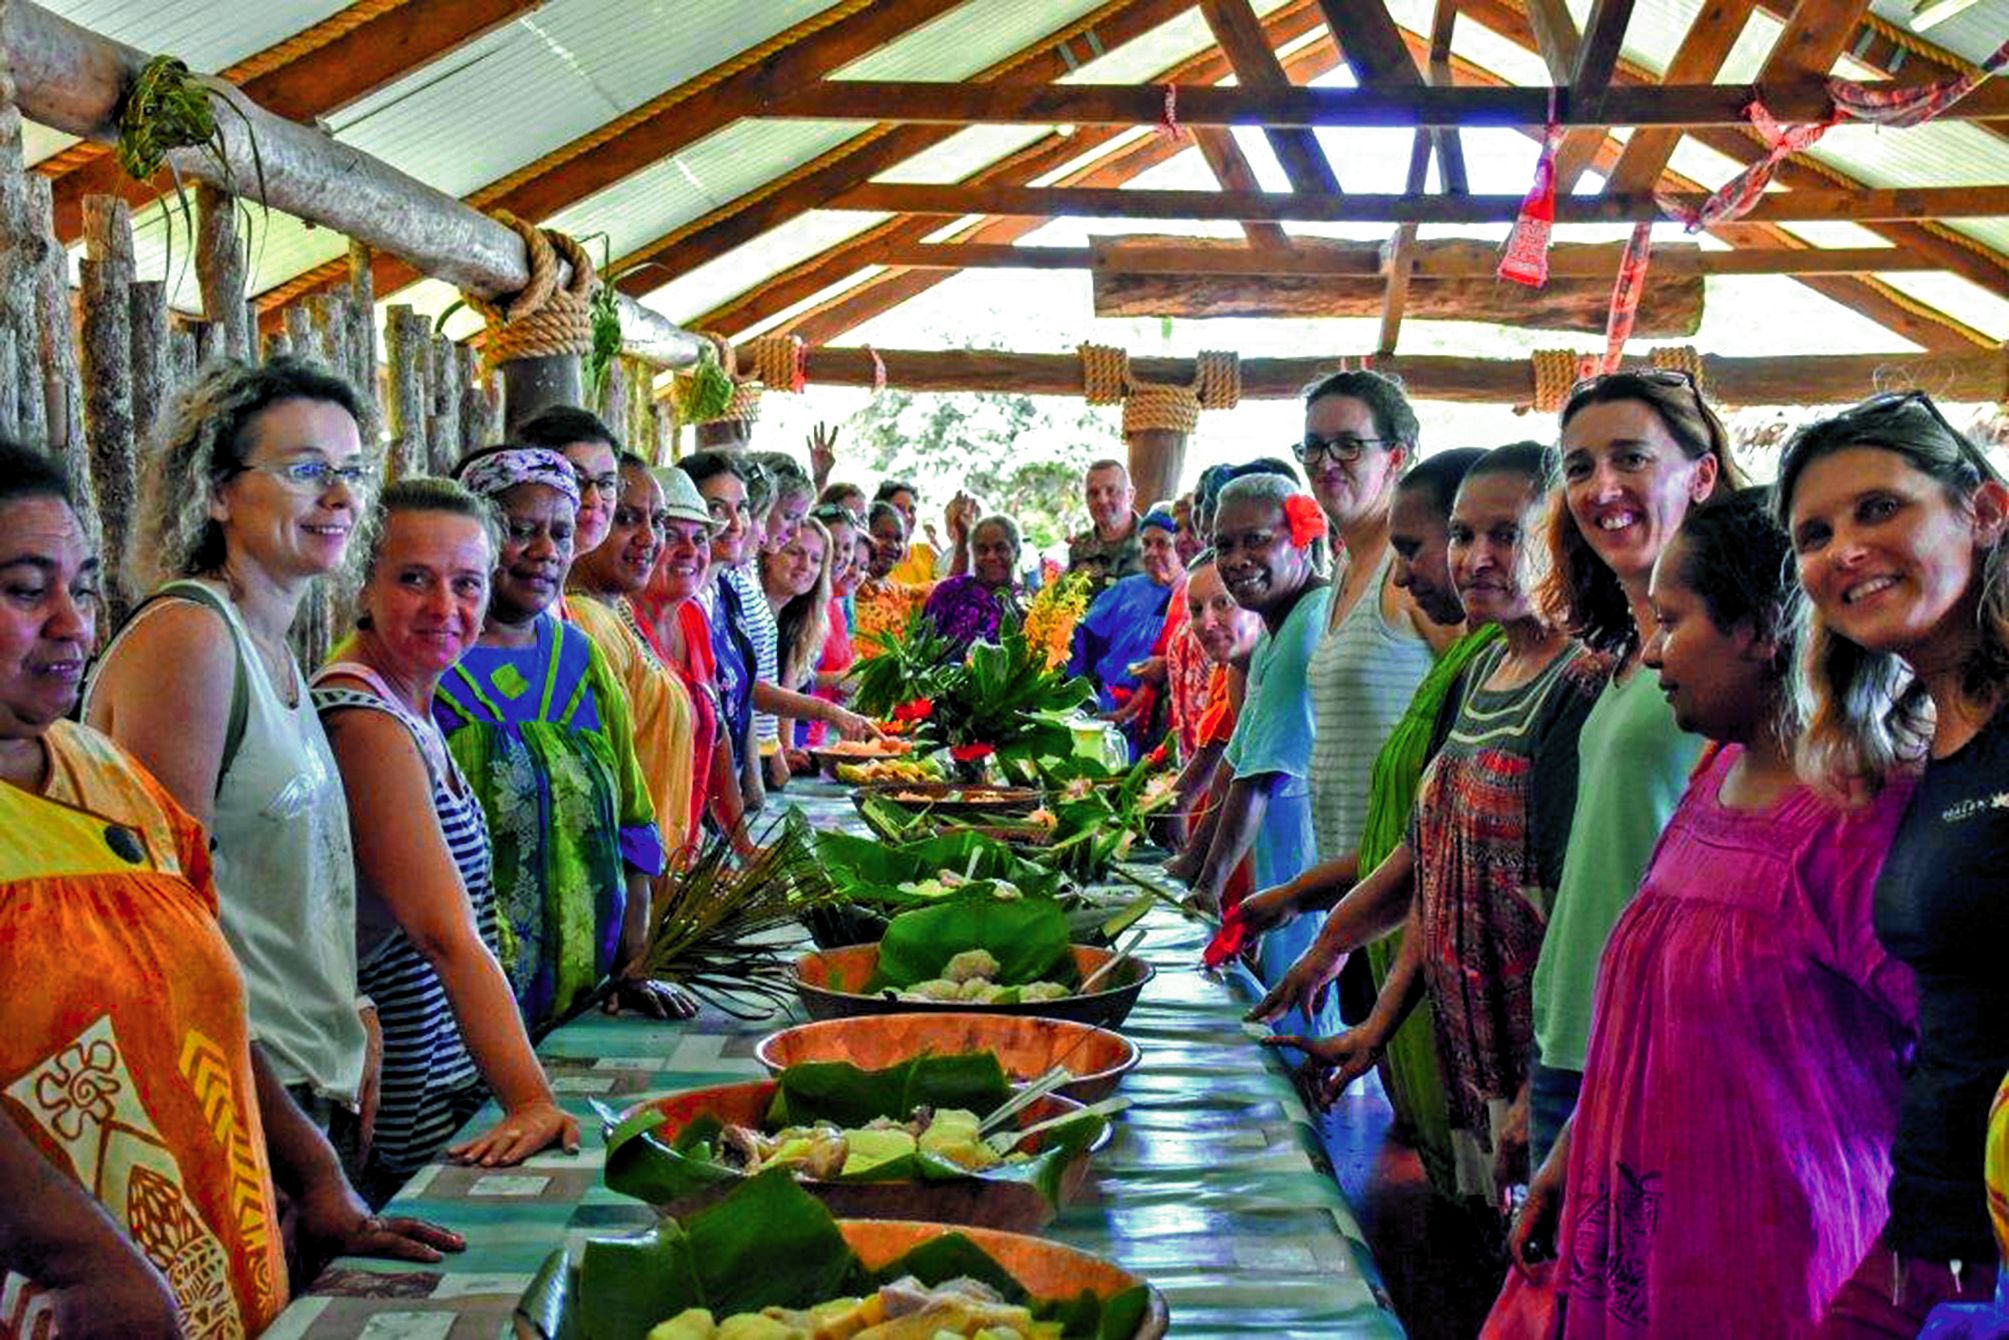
x=127, y=1062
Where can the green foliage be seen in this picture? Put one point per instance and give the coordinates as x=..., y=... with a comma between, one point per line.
x=1008, y=699
x=1021, y=455
x=1027, y=936
x=868, y=871
x=899, y=667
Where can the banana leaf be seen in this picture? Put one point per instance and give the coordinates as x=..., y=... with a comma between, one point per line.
x=767, y=1244
x=873, y=871
x=1027, y=936
x=641, y=1164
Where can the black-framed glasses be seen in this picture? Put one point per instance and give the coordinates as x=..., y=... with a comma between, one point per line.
x=1346, y=448
x=607, y=485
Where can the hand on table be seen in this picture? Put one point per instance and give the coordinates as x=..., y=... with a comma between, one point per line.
x=1303, y=987
x=650, y=999
x=117, y=1296
x=521, y=1133
x=333, y=1221
x=1331, y=1064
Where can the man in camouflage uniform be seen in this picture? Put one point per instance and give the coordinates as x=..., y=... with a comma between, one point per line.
x=1111, y=547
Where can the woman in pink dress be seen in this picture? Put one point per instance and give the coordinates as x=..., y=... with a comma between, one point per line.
x=1725, y=1168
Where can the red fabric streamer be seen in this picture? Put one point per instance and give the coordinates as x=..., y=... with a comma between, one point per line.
x=1307, y=519
x=1168, y=124
x=1626, y=291
x=1526, y=260
x=1228, y=941
x=1733, y=199
x=798, y=376
x=1901, y=108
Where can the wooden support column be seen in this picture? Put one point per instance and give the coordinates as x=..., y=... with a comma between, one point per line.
x=723, y=434
x=274, y=344
x=1157, y=459
x=331, y=329
x=443, y=420
x=150, y=360
x=479, y=417
x=362, y=341
x=62, y=381
x=300, y=332
x=530, y=385
x=182, y=361
x=107, y=273
x=407, y=399
x=23, y=406
x=219, y=268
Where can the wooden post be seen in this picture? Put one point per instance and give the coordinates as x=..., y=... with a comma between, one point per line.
x=362, y=370
x=1157, y=457
x=478, y=417
x=275, y=344
x=721, y=435
x=331, y=328
x=300, y=332
x=408, y=344
x=443, y=418
x=182, y=357
x=24, y=408
x=150, y=359
x=62, y=384
x=107, y=273
x=219, y=268
x=211, y=343
x=613, y=406
x=533, y=384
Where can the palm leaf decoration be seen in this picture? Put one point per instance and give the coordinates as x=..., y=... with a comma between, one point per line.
x=917, y=662
x=727, y=933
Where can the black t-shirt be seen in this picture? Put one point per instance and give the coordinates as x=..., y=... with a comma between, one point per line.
x=1942, y=906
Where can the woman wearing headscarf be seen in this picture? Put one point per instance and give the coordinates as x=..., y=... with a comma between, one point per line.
x=538, y=723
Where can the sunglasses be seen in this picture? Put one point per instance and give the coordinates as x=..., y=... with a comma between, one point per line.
x=1670, y=377
x=828, y=512
x=1891, y=403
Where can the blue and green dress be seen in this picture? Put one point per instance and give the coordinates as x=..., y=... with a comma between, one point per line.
x=543, y=734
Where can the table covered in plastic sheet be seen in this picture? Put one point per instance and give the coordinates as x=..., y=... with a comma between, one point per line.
x=1215, y=1186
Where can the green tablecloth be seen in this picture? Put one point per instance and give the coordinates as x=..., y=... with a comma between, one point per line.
x=1214, y=1186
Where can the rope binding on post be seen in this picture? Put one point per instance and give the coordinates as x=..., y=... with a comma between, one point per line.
x=542, y=319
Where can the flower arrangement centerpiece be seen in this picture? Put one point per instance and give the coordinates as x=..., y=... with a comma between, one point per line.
x=1005, y=702
x=1053, y=612
x=902, y=674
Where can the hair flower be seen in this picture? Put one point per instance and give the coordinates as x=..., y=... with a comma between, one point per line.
x=1307, y=519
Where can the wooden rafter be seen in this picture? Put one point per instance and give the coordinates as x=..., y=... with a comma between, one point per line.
x=1799, y=206
x=1239, y=34
x=1020, y=103
x=1232, y=172
x=801, y=282
x=1700, y=55
x=337, y=62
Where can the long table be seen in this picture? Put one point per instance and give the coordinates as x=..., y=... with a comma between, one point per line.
x=1214, y=1187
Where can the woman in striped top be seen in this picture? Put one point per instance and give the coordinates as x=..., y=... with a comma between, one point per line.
x=426, y=907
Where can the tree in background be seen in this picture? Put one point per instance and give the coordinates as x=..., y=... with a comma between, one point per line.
x=1019, y=454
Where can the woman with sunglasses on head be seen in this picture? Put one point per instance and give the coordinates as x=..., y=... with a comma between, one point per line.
x=1743, y=1070
x=796, y=581
x=1897, y=524
x=252, y=496
x=1638, y=450
x=847, y=569
x=1485, y=836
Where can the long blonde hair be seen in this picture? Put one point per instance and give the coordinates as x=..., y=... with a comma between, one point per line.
x=803, y=624
x=1867, y=715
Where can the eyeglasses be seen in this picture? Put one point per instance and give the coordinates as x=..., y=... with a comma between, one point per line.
x=1651, y=376
x=1346, y=448
x=607, y=485
x=319, y=476
x=834, y=512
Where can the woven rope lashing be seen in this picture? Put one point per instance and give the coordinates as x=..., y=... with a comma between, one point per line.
x=1105, y=373
x=1217, y=378
x=1165, y=408
x=542, y=319
x=1556, y=371
x=771, y=360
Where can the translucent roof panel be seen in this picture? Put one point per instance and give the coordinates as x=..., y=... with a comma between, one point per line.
x=1972, y=34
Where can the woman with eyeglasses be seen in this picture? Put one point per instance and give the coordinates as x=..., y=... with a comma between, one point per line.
x=1743, y=1070
x=252, y=497
x=1897, y=525
x=1638, y=450
x=538, y=723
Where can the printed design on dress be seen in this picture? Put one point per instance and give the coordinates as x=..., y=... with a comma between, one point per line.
x=83, y=1099
x=1614, y=1242
x=207, y=1070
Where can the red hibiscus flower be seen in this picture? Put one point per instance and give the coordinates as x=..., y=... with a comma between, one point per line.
x=918, y=709
x=970, y=753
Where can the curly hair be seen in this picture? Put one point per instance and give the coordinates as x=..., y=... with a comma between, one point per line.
x=1581, y=593
x=1735, y=556
x=1867, y=716
x=205, y=441
x=1384, y=397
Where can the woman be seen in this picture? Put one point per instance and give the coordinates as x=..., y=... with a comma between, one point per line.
x=847, y=569
x=721, y=479
x=110, y=1158
x=972, y=608
x=795, y=580
x=538, y=723
x=1744, y=1067
x=780, y=500
x=1226, y=635
x=1639, y=449
x=252, y=498
x=1485, y=839
x=1122, y=624
x=585, y=440
x=679, y=633
x=425, y=925
x=602, y=584
x=1896, y=522
x=885, y=604
x=1419, y=533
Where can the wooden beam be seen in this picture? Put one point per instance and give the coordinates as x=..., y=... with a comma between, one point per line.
x=74, y=81
x=1769, y=380
x=1597, y=56
x=1450, y=148
x=1440, y=258
x=368, y=46
x=1371, y=44
x=1240, y=35
x=1018, y=103
x=1936, y=202
x=1700, y=55
x=1232, y=172
x=738, y=221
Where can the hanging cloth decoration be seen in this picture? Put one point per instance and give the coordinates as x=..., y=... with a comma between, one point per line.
x=1733, y=199
x=1168, y=124
x=1526, y=260
x=1625, y=293
x=1902, y=108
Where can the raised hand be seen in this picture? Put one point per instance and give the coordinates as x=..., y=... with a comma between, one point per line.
x=822, y=454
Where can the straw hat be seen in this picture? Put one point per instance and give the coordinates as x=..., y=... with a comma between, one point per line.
x=681, y=499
